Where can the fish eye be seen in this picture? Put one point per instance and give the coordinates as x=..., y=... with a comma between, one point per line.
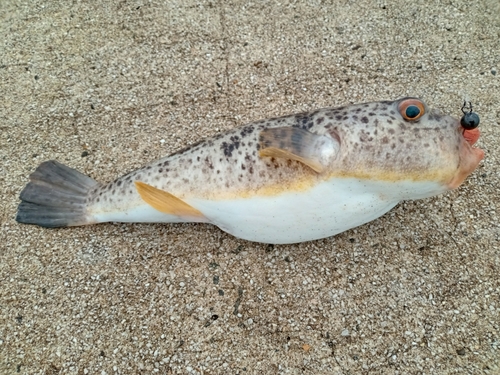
x=411, y=109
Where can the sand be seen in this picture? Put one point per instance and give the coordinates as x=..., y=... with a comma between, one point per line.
x=107, y=88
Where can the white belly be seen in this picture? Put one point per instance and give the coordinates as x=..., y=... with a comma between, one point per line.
x=328, y=208
x=324, y=210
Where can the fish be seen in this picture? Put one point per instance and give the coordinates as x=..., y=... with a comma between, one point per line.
x=281, y=180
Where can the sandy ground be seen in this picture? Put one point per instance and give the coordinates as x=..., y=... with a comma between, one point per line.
x=107, y=88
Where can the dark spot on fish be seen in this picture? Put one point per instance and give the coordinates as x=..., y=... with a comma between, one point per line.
x=218, y=171
x=160, y=170
x=371, y=114
x=364, y=120
x=438, y=117
x=392, y=131
x=388, y=121
x=250, y=170
x=320, y=120
x=392, y=112
x=338, y=117
x=426, y=145
x=393, y=146
x=385, y=140
x=208, y=162
x=227, y=148
x=118, y=183
x=355, y=118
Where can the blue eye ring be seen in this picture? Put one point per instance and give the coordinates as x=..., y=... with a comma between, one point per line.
x=411, y=109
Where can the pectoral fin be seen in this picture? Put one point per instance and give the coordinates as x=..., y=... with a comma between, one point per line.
x=166, y=202
x=315, y=151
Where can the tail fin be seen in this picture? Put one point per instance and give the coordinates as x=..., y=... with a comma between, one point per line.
x=56, y=196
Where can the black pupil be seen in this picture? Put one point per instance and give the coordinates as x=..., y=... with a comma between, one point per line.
x=412, y=111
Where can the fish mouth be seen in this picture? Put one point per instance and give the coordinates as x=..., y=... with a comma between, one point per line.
x=471, y=135
x=469, y=157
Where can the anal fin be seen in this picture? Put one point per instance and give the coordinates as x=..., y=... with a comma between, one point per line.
x=167, y=203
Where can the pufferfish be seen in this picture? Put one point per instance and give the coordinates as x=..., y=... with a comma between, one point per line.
x=282, y=180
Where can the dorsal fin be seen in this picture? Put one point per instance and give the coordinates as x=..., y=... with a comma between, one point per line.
x=315, y=151
x=166, y=202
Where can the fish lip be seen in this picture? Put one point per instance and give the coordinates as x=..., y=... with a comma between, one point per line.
x=471, y=135
x=469, y=157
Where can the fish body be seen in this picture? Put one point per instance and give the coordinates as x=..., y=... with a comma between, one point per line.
x=281, y=180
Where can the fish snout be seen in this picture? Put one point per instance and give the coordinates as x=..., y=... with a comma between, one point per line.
x=469, y=156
